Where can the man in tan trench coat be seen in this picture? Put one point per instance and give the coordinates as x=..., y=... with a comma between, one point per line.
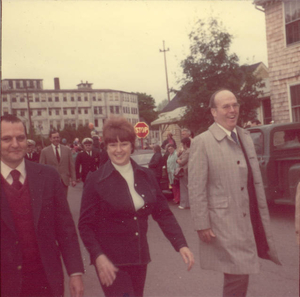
x=227, y=198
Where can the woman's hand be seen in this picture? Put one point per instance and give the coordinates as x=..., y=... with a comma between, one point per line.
x=106, y=270
x=187, y=257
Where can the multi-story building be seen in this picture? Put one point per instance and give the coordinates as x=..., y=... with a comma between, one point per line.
x=283, y=44
x=54, y=109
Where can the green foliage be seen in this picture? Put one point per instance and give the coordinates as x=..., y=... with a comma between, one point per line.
x=147, y=107
x=70, y=133
x=210, y=67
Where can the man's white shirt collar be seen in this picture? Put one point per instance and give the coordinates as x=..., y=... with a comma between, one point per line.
x=5, y=171
x=227, y=131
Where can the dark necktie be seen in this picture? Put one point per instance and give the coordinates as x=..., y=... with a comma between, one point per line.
x=57, y=154
x=234, y=137
x=15, y=174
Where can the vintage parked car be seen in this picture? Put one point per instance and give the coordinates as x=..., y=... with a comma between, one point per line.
x=143, y=159
x=278, y=152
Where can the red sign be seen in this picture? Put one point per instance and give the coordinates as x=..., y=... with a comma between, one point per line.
x=141, y=129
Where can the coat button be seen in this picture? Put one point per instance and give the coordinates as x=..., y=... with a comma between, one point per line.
x=135, y=218
x=244, y=214
x=19, y=267
x=242, y=188
x=136, y=233
x=135, y=185
x=238, y=162
x=143, y=195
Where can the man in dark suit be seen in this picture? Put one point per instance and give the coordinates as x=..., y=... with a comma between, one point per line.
x=86, y=161
x=31, y=155
x=36, y=224
x=60, y=157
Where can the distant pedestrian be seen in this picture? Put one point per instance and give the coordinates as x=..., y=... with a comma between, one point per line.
x=31, y=154
x=156, y=163
x=171, y=166
x=182, y=161
x=87, y=160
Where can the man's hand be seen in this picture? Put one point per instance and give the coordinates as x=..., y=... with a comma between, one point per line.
x=76, y=286
x=73, y=183
x=106, y=270
x=187, y=257
x=206, y=235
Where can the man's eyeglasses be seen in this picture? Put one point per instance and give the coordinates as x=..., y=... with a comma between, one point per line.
x=228, y=107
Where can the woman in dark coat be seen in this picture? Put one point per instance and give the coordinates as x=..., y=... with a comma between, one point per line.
x=156, y=163
x=116, y=202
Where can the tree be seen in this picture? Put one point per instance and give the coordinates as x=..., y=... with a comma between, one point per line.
x=146, y=107
x=210, y=67
x=162, y=105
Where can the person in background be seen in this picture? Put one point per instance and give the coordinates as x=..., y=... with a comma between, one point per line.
x=182, y=161
x=171, y=166
x=87, y=160
x=167, y=141
x=37, y=228
x=60, y=157
x=97, y=145
x=227, y=199
x=156, y=163
x=116, y=202
x=185, y=133
x=31, y=155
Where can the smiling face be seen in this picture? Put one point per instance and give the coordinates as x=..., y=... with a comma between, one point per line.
x=13, y=143
x=119, y=152
x=226, y=110
x=55, y=139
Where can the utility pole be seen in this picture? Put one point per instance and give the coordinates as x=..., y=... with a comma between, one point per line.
x=164, y=51
x=29, y=112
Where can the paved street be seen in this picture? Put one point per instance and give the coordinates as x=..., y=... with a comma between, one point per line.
x=167, y=275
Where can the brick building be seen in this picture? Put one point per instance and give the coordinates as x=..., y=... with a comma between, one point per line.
x=56, y=108
x=283, y=44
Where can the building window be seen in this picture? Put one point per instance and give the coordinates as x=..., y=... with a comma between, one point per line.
x=74, y=125
x=99, y=99
x=86, y=121
x=100, y=109
x=39, y=112
x=65, y=99
x=37, y=99
x=85, y=111
x=111, y=109
x=96, y=123
x=65, y=112
x=79, y=110
x=95, y=110
x=295, y=102
x=22, y=99
x=22, y=113
x=78, y=98
x=31, y=113
x=94, y=98
x=292, y=21
x=85, y=98
x=57, y=111
x=4, y=99
x=13, y=100
x=50, y=112
x=72, y=111
x=58, y=125
x=49, y=99
x=72, y=99
x=56, y=99
x=117, y=110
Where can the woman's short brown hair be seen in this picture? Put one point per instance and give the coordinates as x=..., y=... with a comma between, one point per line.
x=118, y=128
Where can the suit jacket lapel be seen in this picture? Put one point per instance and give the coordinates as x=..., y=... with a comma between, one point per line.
x=6, y=214
x=36, y=183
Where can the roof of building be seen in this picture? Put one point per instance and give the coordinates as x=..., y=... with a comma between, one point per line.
x=265, y=2
x=170, y=117
x=174, y=103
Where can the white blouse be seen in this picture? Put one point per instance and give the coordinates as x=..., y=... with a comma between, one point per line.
x=127, y=172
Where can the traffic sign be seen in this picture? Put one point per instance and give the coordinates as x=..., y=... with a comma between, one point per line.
x=141, y=129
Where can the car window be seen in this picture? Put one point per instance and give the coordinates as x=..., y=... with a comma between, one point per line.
x=286, y=139
x=257, y=138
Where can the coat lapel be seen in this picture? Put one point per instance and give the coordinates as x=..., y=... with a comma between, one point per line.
x=36, y=183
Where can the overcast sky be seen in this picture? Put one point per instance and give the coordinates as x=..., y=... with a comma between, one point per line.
x=115, y=45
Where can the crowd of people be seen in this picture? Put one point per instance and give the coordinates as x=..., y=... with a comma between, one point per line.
x=216, y=175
